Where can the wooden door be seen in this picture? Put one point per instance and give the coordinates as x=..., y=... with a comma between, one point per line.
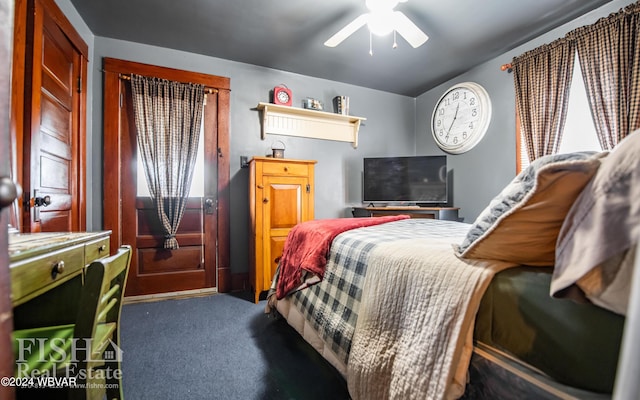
x=54, y=122
x=155, y=269
x=202, y=260
x=287, y=205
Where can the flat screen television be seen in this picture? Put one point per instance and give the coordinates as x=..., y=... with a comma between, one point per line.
x=419, y=179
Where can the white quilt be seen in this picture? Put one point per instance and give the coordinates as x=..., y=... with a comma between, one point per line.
x=413, y=337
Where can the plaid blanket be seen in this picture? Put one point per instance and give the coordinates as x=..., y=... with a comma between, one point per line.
x=332, y=305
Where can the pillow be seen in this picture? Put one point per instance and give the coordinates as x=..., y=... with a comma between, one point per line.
x=595, y=245
x=521, y=224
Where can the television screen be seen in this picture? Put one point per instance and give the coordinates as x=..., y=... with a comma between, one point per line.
x=417, y=179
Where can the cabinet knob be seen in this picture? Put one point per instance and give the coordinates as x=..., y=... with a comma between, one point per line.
x=265, y=200
x=286, y=169
x=260, y=187
x=102, y=248
x=58, y=268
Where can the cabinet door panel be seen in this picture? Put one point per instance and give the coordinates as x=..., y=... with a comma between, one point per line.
x=286, y=204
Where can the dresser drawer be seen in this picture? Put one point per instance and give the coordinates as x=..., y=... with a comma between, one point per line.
x=96, y=250
x=35, y=274
x=284, y=168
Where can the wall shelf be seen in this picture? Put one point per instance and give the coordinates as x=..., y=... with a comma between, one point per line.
x=301, y=122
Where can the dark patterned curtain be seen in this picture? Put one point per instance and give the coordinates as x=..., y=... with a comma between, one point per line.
x=609, y=55
x=167, y=116
x=542, y=80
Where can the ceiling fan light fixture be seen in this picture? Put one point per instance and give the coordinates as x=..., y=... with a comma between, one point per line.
x=382, y=20
x=380, y=23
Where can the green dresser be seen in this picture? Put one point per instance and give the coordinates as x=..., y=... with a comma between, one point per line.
x=47, y=273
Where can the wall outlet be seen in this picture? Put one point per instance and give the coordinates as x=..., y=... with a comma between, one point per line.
x=244, y=162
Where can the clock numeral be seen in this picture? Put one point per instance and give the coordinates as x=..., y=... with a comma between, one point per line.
x=456, y=95
x=441, y=111
x=447, y=102
x=474, y=112
x=471, y=125
x=472, y=101
x=446, y=138
x=455, y=140
x=439, y=123
x=464, y=135
x=441, y=132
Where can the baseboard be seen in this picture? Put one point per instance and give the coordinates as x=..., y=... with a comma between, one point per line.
x=170, y=295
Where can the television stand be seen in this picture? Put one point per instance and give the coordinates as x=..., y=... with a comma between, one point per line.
x=444, y=213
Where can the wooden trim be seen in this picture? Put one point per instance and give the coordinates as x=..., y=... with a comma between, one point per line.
x=17, y=96
x=518, y=143
x=130, y=67
x=112, y=209
x=224, y=204
x=62, y=21
x=82, y=142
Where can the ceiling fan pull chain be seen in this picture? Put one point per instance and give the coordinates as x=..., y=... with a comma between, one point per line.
x=370, y=44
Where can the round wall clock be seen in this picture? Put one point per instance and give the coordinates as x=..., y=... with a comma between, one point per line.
x=282, y=96
x=461, y=117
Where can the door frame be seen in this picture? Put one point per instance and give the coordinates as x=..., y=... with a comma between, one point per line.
x=112, y=205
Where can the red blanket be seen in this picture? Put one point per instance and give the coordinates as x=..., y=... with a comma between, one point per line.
x=307, y=247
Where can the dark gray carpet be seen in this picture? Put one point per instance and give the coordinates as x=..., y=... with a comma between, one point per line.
x=219, y=347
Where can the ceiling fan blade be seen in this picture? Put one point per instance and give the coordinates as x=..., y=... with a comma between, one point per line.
x=347, y=31
x=409, y=30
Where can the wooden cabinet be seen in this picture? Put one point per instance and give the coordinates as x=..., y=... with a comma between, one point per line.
x=445, y=213
x=280, y=196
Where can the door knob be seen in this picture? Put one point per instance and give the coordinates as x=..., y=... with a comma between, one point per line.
x=209, y=206
x=9, y=191
x=42, y=201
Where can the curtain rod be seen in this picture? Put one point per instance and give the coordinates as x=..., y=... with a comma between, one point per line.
x=506, y=67
x=207, y=90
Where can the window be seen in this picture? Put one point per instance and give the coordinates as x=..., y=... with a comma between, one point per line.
x=579, y=132
x=197, y=183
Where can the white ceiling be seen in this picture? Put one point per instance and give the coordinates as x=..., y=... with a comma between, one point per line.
x=289, y=35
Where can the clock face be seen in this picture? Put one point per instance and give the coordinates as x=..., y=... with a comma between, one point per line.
x=461, y=117
x=283, y=97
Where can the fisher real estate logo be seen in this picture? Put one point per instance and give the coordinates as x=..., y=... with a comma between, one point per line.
x=58, y=362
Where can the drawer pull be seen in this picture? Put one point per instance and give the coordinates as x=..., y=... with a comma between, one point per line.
x=286, y=169
x=102, y=248
x=58, y=268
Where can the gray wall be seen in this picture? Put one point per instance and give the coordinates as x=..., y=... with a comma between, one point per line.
x=395, y=125
x=388, y=130
x=482, y=172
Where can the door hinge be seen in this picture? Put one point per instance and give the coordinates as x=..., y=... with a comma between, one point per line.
x=308, y=188
x=121, y=99
x=79, y=84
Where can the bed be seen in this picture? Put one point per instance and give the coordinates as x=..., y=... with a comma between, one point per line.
x=526, y=302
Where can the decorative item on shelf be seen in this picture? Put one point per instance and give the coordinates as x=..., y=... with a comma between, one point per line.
x=282, y=95
x=341, y=105
x=312, y=104
x=277, y=149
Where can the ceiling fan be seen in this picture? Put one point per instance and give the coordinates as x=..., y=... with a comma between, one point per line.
x=382, y=20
